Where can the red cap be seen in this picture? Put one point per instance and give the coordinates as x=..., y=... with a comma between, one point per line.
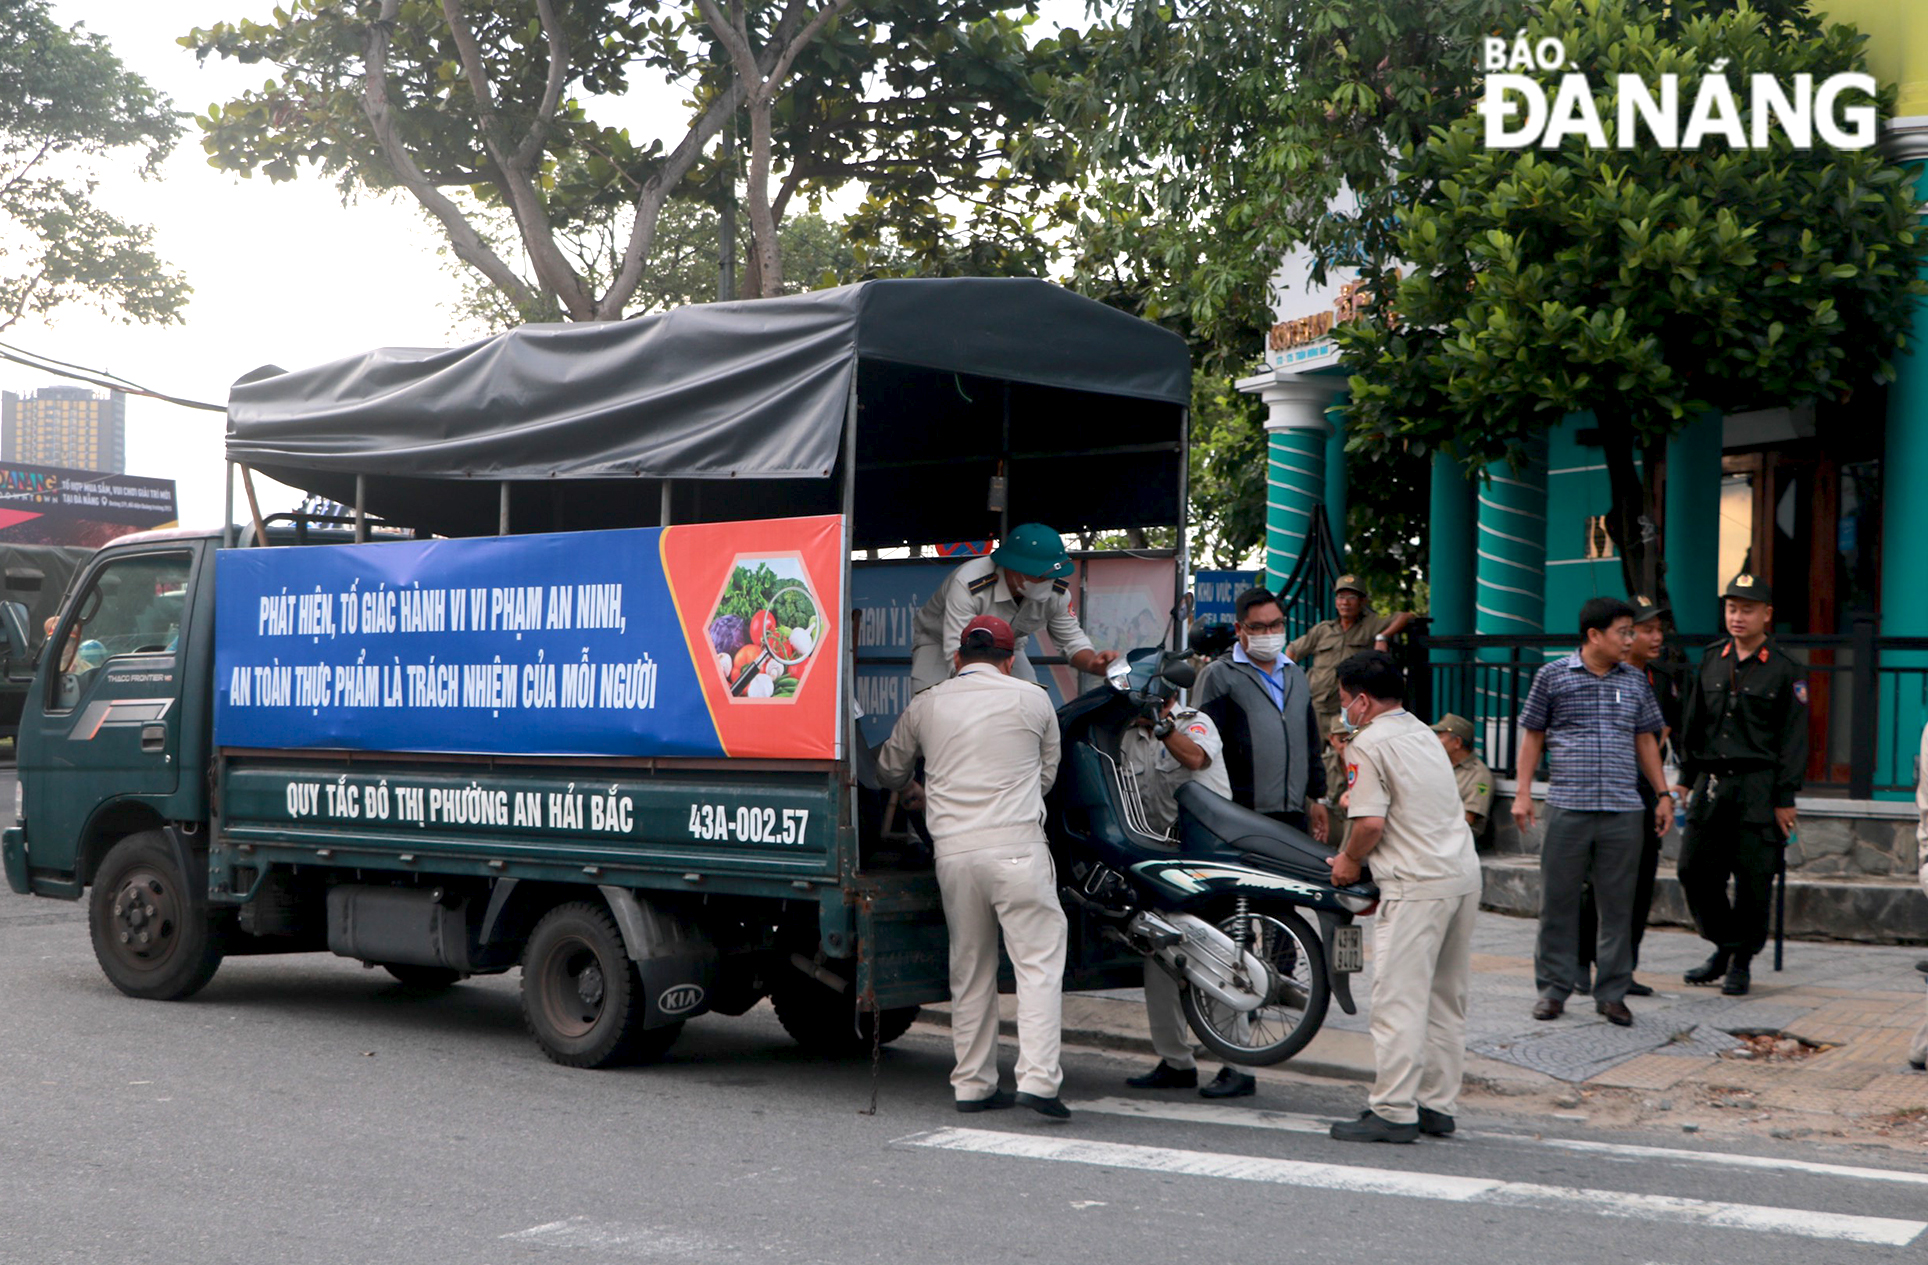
x=1000, y=635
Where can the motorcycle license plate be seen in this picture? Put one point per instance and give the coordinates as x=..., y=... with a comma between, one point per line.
x=1348, y=949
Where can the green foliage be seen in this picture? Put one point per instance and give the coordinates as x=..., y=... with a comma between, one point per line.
x=924, y=105
x=1646, y=285
x=65, y=101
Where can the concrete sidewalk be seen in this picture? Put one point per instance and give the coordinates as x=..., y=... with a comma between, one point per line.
x=1862, y=1002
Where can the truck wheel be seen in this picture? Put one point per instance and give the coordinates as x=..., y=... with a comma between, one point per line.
x=581, y=995
x=424, y=979
x=150, y=925
x=826, y=1022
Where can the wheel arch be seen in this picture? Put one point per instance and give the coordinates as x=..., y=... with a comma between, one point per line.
x=114, y=821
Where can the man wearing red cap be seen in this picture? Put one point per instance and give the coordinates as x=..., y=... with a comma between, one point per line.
x=990, y=748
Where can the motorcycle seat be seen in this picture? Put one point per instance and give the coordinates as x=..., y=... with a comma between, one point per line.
x=1211, y=823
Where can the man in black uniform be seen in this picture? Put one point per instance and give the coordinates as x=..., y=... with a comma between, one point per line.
x=1743, y=751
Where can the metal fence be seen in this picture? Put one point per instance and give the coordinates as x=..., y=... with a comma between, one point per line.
x=1867, y=697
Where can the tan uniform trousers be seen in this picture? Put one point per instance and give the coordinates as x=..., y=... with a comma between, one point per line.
x=1016, y=889
x=1422, y=964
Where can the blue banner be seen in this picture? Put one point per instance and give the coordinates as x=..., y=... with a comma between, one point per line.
x=576, y=644
x=1215, y=594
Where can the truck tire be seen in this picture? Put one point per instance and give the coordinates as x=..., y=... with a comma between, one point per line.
x=826, y=1022
x=424, y=979
x=581, y=995
x=150, y=925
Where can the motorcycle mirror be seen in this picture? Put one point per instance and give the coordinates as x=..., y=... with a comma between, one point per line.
x=1118, y=675
x=1180, y=673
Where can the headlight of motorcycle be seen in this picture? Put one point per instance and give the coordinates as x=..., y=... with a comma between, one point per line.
x=1356, y=904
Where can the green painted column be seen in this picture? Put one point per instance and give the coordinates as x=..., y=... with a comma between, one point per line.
x=1692, y=512
x=1904, y=524
x=1335, y=475
x=1511, y=570
x=1449, y=549
x=1295, y=477
x=1510, y=588
x=1452, y=515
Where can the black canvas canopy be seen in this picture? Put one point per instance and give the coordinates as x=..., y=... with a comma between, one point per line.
x=742, y=407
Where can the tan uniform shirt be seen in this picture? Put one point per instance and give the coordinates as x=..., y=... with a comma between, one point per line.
x=1328, y=645
x=1399, y=771
x=1159, y=774
x=1475, y=790
x=990, y=748
x=978, y=588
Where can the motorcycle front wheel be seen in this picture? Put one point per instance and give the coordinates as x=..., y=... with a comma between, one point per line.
x=1276, y=1031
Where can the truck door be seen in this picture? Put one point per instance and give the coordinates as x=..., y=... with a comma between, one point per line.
x=105, y=718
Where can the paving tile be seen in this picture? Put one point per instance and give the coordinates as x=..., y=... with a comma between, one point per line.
x=1644, y=1071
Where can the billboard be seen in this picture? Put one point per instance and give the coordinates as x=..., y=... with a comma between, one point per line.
x=47, y=505
x=716, y=639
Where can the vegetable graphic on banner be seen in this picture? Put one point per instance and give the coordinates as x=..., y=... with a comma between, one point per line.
x=765, y=628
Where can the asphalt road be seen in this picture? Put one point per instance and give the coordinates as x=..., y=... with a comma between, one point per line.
x=306, y=1110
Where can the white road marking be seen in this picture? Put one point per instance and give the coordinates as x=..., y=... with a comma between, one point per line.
x=614, y=1236
x=1452, y=1189
x=1289, y=1122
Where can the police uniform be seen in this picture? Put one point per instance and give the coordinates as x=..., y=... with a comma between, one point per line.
x=1743, y=748
x=1471, y=775
x=978, y=588
x=1335, y=767
x=1159, y=775
x=1330, y=644
x=990, y=747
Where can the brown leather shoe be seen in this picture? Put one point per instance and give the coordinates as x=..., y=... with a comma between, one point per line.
x=1616, y=1013
x=1548, y=1008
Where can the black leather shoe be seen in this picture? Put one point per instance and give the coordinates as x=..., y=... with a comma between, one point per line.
x=1230, y=1084
x=1919, y=1066
x=1165, y=1076
x=1001, y=1099
x=1369, y=1127
x=1049, y=1108
x=1710, y=970
x=1738, y=979
x=1616, y=1012
x=1548, y=1008
x=1435, y=1124
x=1637, y=989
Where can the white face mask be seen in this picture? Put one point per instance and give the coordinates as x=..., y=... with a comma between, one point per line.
x=1265, y=646
x=1038, y=590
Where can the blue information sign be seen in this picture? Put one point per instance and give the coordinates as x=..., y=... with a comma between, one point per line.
x=1215, y=592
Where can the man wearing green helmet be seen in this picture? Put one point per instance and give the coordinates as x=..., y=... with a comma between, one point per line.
x=1026, y=582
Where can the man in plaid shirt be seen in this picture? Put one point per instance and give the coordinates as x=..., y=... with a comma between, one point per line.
x=1596, y=719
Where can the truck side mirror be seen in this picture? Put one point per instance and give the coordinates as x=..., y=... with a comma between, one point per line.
x=13, y=631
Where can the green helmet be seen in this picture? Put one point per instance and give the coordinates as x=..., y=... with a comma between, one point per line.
x=1035, y=550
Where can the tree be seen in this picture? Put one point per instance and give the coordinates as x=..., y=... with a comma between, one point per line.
x=65, y=101
x=488, y=112
x=682, y=267
x=1647, y=285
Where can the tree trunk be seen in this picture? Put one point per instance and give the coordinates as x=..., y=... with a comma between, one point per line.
x=763, y=224
x=1634, y=520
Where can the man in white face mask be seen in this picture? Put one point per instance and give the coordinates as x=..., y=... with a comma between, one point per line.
x=1026, y=582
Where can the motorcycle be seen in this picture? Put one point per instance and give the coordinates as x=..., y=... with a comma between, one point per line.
x=1219, y=903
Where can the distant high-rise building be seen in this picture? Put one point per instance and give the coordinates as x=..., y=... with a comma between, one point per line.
x=65, y=426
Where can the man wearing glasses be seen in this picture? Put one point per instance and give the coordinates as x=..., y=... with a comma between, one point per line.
x=1596, y=719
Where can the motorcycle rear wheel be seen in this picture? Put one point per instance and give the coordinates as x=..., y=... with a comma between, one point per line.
x=1272, y=1033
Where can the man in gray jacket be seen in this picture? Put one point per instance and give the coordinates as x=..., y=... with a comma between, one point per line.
x=1262, y=705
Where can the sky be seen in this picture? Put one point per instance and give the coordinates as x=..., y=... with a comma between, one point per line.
x=283, y=274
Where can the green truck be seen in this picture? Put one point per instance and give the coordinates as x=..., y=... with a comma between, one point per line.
x=232, y=779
